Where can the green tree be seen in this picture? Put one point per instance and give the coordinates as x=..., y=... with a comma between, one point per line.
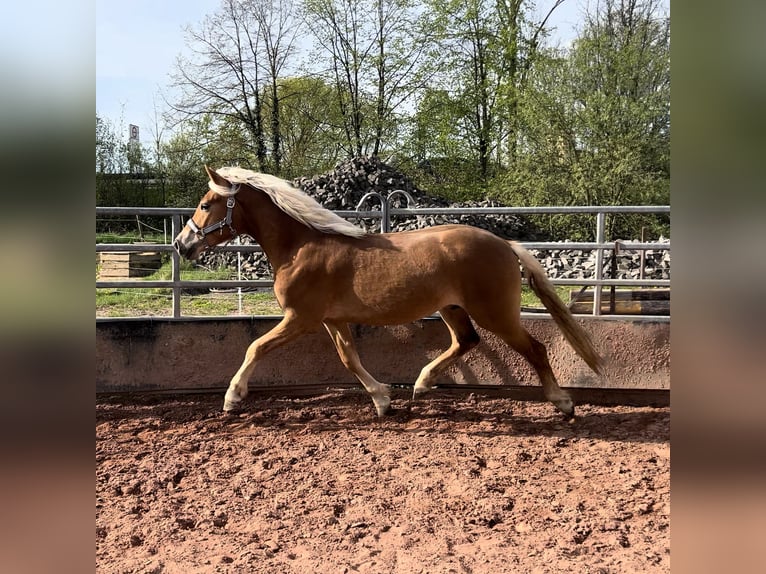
x=109, y=160
x=311, y=126
x=239, y=54
x=279, y=30
x=486, y=50
x=436, y=127
x=204, y=140
x=443, y=159
x=596, y=121
x=111, y=152
x=373, y=54
x=185, y=155
x=622, y=67
x=338, y=28
x=466, y=33
x=120, y=168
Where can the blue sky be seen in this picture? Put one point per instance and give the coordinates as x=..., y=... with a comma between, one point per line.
x=138, y=41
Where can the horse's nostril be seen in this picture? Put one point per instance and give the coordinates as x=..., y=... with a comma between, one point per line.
x=177, y=246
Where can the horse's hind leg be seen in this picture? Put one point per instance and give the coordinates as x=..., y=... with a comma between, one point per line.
x=534, y=352
x=464, y=338
x=341, y=336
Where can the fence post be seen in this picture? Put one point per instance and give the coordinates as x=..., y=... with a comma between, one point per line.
x=383, y=207
x=385, y=214
x=175, y=259
x=387, y=207
x=600, y=226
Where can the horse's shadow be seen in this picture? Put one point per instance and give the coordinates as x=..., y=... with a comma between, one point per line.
x=449, y=418
x=344, y=410
x=646, y=426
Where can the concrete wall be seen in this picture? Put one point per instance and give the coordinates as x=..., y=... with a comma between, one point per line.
x=143, y=354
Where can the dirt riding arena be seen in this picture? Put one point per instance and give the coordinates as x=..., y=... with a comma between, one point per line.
x=457, y=483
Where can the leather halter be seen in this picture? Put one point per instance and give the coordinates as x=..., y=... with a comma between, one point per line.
x=225, y=222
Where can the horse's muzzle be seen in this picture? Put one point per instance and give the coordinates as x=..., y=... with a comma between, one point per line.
x=187, y=245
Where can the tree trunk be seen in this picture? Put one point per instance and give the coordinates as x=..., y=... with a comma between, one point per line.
x=276, y=134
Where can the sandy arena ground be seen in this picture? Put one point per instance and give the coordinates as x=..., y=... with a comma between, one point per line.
x=318, y=484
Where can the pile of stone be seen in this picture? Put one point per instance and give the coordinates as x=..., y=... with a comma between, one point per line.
x=344, y=187
x=581, y=263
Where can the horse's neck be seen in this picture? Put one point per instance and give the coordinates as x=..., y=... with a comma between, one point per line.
x=278, y=234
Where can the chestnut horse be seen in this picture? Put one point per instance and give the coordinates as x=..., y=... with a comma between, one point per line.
x=328, y=272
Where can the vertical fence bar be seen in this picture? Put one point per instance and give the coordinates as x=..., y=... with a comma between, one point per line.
x=238, y=241
x=383, y=207
x=613, y=275
x=385, y=215
x=175, y=259
x=600, y=226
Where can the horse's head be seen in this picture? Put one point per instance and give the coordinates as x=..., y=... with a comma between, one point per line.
x=214, y=220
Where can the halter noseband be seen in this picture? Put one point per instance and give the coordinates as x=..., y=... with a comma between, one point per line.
x=225, y=222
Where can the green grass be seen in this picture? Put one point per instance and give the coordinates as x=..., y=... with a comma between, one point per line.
x=136, y=302
x=128, y=304
x=139, y=302
x=529, y=299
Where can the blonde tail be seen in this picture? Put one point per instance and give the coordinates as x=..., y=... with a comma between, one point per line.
x=543, y=288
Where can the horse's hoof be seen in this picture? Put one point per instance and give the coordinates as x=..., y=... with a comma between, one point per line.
x=570, y=417
x=566, y=406
x=419, y=391
x=382, y=406
x=231, y=402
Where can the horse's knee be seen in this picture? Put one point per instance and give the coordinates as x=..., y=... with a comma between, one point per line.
x=253, y=353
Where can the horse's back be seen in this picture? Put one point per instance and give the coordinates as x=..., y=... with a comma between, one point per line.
x=455, y=245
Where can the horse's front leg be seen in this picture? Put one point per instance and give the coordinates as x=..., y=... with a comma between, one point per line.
x=341, y=336
x=287, y=330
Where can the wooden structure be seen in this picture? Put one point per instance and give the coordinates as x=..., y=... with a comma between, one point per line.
x=121, y=265
x=623, y=302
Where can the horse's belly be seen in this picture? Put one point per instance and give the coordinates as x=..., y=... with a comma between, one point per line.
x=389, y=308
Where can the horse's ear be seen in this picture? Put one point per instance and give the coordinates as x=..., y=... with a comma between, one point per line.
x=215, y=178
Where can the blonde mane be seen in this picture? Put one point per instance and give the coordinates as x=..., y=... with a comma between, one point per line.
x=289, y=199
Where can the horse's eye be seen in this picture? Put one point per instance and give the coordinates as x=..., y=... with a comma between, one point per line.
x=204, y=206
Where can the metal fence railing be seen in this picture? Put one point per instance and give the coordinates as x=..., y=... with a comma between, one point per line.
x=385, y=214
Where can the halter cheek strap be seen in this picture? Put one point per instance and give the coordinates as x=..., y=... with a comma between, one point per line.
x=225, y=222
